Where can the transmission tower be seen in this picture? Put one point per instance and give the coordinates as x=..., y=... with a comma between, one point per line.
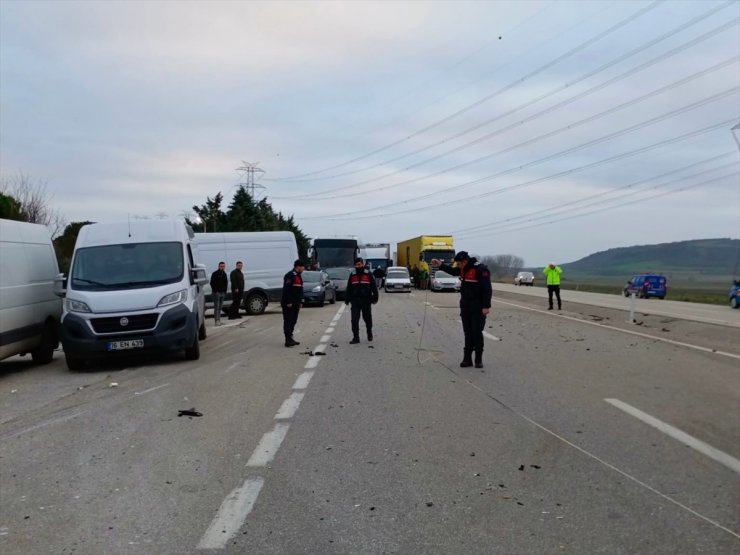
x=247, y=179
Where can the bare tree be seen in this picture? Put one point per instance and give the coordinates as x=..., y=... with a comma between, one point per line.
x=34, y=201
x=503, y=265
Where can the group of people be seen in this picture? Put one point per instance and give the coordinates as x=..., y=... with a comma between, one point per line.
x=420, y=275
x=220, y=284
x=362, y=292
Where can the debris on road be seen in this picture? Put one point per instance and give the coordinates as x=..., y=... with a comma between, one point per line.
x=430, y=504
x=113, y=384
x=189, y=412
x=521, y=468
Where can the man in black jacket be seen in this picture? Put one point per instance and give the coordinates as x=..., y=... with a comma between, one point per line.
x=475, y=303
x=291, y=301
x=219, y=284
x=361, y=292
x=237, y=290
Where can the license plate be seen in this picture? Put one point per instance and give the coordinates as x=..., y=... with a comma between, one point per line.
x=398, y=286
x=123, y=345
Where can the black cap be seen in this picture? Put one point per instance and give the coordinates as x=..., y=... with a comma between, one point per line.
x=358, y=259
x=462, y=255
x=298, y=262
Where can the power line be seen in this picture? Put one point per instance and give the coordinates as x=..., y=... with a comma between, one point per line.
x=488, y=97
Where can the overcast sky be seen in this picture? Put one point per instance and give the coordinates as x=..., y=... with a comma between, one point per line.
x=502, y=123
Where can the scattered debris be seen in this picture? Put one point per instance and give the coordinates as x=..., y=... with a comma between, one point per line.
x=370, y=347
x=472, y=454
x=429, y=504
x=113, y=384
x=189, y=412
x=664, y=329
x=14, y=391
x=81, y=387
x=521, y=467
x=520, y=503
x=535, y=466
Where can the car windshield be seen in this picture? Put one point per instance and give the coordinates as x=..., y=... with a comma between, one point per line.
x=338, y=273
x=127, y=266
x=397, y=274
x=441, y=274
x=311, y=277
x=525, y=274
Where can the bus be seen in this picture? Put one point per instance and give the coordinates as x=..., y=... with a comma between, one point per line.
x=334, y=252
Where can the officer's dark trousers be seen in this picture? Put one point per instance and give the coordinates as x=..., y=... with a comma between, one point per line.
x=236, y=301
x=290, y=317
x=553, y=289
x=473, y=322
x=364, y=308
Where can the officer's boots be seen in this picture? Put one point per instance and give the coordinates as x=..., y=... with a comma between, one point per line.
x=369, y=334
x=479, y=359
x=467, y=360
x=355, y=340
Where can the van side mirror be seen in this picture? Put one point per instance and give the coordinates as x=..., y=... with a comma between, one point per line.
x=60, y=285
x=199, y=275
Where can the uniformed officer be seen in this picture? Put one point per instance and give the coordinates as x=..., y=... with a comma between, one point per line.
x=291, y=301
x=362, y=293
x=475, y=302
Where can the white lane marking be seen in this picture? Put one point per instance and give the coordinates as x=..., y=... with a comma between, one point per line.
x=489, y=336
x=229, y=342
x=268, y=446
x=341, y=309
x=232, y=514
x=720, y=456
x=325, y=338
x=230, y=368
x=150, y=389
x=329, y=330
x=290, y=406
x=312, y=362
x=302, y=380
x=639, y=334
x=43, y=424
x=320, y=348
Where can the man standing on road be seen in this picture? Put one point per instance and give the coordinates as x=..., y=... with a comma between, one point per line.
x=552, y=278
x=219, y=284
x=379, y=274
x=237, y=290
x=291, y=301
x=362, y=293
x=475, y=302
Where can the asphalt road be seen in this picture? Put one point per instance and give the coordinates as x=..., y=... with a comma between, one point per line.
x=582, y=434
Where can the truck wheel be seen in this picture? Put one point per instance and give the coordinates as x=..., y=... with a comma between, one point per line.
x=193, y=352
x=202, y=331
x=45, y=351
x=256, y=303
x=74, y=363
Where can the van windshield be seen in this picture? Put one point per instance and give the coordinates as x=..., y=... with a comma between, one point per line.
x=128, y=266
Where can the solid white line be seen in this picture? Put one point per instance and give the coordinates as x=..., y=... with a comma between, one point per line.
x=329, y=330
x=43, y=424
x=325, y=338
x=489, y=336
x=720, y=456
x=232, y=514
x=320, y=348
x=229, y=342
x=607, y=326
x=341, y=309
x=150, y=389
x=230, y=368
x=268, y=446
x=312, y=362
x=290, y=406
x=302, y=380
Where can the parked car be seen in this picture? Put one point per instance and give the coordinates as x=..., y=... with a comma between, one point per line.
x=524, y=278
x=318, y=288
x=735, y=294
x=29, y=311
x=442, y=281
x=646, y=285
x=339, y=277
x=397, y=278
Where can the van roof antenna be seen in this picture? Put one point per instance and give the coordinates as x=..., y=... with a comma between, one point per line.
x=129, y=224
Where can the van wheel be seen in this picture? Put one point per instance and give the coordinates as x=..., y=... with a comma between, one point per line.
x=45, y=351
x=734, y=303
x=202, y=331
x=256, y=303
x=193, y=352
x=74, y=363
x=333, y=299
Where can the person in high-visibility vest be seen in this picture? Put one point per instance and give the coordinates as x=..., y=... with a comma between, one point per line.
x=552, y=277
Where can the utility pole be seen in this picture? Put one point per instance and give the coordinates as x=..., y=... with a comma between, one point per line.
x=247, y=176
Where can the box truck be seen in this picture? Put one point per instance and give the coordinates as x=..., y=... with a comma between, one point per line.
x=425, y=247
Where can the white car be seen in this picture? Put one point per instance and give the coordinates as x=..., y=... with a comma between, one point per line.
x=524, y=278
x=442, y=281
x=397, y=278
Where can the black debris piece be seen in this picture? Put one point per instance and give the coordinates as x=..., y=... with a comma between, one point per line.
x=319, y=354
x=429, y=504
x=189, y=412
x=370, y=347
x=535, y=466
x=472, y=454
x=520, y=503
x=521, y=467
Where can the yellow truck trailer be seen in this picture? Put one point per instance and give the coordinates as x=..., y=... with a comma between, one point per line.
x=425, y=247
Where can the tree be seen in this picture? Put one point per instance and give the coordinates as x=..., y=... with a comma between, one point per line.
x=10, y=208
x=503, y=265
x=32, y=202
x=64, y=245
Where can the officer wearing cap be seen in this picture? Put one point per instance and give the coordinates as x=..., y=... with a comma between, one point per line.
x=361, y=292
x=291, y=301
x=475, y=302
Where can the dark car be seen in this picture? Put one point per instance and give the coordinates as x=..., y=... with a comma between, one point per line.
x=318, y=288
x=735, y=294
x=645, y=286
x=339, y=277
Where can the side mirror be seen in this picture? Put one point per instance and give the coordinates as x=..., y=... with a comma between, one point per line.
x=199, y=275
x=60, y=285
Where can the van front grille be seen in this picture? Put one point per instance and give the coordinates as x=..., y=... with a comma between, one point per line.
x=116, y=324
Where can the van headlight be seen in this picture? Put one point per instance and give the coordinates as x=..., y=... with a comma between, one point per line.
x=70, y=305
x=174, y=298
x=316, y=289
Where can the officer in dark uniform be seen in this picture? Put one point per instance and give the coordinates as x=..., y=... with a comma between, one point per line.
x=475, y=302
x=291, y=301
x=361, y=292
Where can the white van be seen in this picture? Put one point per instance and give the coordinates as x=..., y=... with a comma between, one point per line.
x=133, y=287
x=29, y=311
x=267, y=256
